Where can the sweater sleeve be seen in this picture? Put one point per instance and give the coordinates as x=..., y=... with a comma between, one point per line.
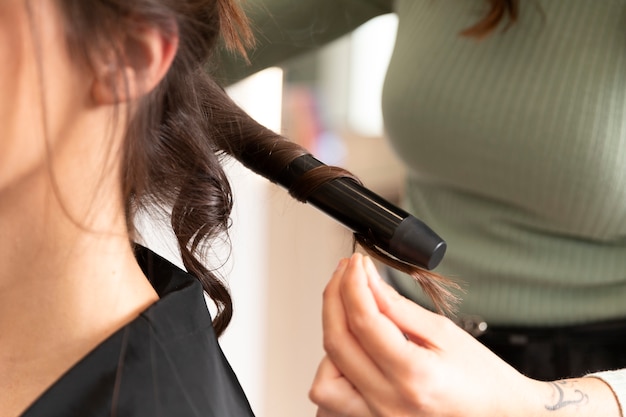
x=616, y=380
x=285, y=28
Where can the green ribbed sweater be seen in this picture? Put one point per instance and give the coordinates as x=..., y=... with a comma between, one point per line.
x=515, y=145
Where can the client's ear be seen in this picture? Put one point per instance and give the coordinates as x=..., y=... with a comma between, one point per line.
x=146, y=56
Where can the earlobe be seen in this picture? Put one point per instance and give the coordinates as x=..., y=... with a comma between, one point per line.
x=147, y=55
x=112, y=85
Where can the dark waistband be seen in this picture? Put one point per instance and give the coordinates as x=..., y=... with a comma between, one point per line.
x=590, y=333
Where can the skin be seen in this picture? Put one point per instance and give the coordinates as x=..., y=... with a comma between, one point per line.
x=386, y=356
x=68, y=278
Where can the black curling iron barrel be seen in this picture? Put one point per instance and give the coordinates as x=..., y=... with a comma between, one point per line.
x=390, y=228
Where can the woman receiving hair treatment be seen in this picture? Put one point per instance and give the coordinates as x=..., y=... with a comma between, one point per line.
x=107, y=110
x=101, y=115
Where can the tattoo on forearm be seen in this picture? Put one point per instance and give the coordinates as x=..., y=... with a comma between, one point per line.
x=565, y=398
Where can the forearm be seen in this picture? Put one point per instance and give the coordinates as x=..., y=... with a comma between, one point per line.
x=286, y=28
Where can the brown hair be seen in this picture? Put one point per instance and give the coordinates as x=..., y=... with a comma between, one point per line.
x=499, y=10
x=180, y=131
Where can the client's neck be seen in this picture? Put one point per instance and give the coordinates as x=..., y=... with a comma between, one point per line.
x=66, y=284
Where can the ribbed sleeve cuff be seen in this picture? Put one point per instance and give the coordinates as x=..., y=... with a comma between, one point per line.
x=617, y=381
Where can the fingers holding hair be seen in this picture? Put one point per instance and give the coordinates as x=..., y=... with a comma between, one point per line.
x=376, y=334
x=421, y=326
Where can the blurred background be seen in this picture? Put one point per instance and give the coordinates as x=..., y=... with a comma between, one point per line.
x=283, y=252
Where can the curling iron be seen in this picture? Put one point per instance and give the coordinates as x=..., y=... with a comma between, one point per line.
x=390, y=228
x=371, y=217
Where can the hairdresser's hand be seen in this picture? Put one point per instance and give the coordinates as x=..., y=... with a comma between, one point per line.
x=386, y=356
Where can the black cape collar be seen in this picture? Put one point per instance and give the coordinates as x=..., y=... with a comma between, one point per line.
x=165, y=363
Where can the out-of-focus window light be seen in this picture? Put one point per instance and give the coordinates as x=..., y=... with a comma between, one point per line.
x=372, y=45
x=261, y=96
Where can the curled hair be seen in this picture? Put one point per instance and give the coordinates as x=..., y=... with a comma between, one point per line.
x=178, y=133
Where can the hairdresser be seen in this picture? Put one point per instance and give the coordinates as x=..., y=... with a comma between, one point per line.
x=509, y=117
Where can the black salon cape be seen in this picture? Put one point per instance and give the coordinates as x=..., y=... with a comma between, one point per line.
x=165, y=363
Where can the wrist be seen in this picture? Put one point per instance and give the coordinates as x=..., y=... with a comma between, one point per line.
x=616, y=381
x=574, y=397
